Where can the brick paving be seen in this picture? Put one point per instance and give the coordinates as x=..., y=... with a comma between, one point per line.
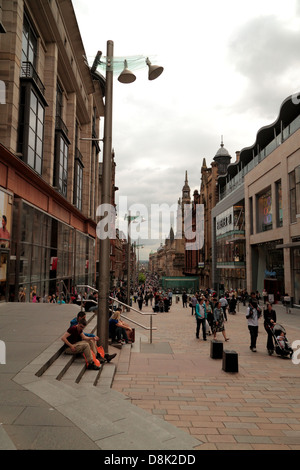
x=176, y=379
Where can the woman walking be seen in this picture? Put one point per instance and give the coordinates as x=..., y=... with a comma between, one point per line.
x=269, y=322
x=218, y=324
x=252, y=315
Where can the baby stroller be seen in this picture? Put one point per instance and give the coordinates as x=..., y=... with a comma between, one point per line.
x=282, y=346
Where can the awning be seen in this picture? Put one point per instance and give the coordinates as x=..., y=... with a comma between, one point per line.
x=288, y=245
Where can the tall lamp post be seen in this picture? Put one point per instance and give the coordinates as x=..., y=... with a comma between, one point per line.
x=104, y=256
x=104, y=252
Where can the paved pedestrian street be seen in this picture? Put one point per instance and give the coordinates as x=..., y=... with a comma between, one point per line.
x=175, y=378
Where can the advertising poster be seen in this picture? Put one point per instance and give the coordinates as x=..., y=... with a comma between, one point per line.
x=5, y=235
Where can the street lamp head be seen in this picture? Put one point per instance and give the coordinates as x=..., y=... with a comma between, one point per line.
x=126, y=76
x=154, y=70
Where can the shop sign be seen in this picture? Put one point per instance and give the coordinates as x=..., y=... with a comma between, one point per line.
x=224, y=222
x=270, y=273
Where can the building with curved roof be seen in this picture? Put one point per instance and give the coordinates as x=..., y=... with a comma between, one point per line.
x=256, y=224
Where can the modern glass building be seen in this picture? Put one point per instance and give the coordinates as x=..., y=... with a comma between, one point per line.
x=263, y=185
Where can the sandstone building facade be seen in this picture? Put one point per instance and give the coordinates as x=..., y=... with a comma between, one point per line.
x=50, y=175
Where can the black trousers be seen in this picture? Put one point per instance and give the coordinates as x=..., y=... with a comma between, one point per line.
x=121, y=334
x=253, y=335
x=201, y=321
x=270, y=341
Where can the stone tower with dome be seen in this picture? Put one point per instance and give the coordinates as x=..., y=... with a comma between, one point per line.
x=200, y=263
x=222, y=159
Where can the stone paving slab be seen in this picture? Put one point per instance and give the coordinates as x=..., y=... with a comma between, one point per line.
x=224, y=410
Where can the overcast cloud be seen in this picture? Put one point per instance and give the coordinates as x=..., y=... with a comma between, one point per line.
x=228, y=66
x=264, y=52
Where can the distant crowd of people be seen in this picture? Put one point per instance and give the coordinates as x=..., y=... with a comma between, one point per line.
x=209, y=309
x=211, y=314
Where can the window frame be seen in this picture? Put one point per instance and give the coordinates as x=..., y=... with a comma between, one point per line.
x=294, y=194
x=78, y=183
x=61, y=160
x=31, y=139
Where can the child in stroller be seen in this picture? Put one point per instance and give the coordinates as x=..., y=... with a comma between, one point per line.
x=282, y=346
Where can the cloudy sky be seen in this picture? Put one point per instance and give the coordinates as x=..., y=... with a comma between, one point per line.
x=228, y=66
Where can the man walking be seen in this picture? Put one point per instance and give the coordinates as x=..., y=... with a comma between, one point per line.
x=184, y=299
x=200, y=319
x=224, y=305
x=194, y=302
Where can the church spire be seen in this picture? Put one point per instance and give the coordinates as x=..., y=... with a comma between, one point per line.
x=186, y=191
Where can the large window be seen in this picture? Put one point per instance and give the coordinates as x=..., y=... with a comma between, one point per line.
x=296, y=274
x=29, y=43
x=264, y=211
x=279, y=214
x=294, y=183
x=61, y=164
x=60, y=180
x=78, y=184
x=31, y=127
x=32, y=103
x=35, y=133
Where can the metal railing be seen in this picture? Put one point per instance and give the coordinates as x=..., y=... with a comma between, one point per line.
x=61, y=293
x=148, y=328
x=28, y=71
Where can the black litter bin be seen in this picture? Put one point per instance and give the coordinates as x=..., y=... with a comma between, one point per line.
x=216, y=349
x=230, y=361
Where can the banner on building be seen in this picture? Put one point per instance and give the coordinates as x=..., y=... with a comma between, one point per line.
x=6, y=200
x=224, y=222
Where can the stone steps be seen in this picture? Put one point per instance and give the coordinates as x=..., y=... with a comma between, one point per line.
x=69, y=368
x=86, y=398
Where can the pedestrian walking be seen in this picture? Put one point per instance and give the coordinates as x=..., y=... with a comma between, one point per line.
x=140, y=300
x=209, y=316
x=252, y=316
x=200, y=319
x=224, y=305
x=184, y=299
x=265, y=296
x=170, y=297
x=218, y=324
x=269, y=322
x=194, y=302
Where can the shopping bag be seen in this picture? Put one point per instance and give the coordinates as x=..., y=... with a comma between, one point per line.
x=131, y=335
